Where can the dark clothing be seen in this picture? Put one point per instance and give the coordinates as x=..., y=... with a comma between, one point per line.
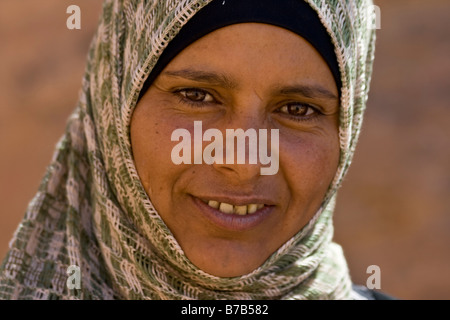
x=372, y=294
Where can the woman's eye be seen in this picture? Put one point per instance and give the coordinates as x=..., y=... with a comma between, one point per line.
x=196, y=95
x=298, y=110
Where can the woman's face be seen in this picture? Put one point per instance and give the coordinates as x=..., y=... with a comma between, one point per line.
x=248, y=76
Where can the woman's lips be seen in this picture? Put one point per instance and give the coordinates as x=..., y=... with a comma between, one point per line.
x=239, y=218
x=241, y=210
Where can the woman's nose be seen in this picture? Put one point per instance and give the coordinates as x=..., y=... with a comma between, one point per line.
x=240, y=154
x=246, y=148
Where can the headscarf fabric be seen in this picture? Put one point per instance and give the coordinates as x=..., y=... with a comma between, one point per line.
x=91, y=210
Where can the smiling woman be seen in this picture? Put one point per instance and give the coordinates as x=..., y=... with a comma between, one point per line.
x=309, y=143
x=141, y=226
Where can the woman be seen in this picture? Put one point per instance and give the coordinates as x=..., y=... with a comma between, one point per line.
x=144, y=202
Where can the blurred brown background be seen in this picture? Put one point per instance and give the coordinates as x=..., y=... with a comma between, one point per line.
x=394, y=208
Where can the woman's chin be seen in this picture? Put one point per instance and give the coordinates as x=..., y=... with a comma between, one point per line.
x=227, y=260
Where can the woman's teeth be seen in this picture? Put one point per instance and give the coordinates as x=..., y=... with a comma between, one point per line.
x=230, y=209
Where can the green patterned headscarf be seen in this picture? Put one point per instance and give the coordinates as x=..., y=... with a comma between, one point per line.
x=92, y=212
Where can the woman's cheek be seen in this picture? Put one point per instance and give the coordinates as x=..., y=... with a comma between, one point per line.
x=309, y=165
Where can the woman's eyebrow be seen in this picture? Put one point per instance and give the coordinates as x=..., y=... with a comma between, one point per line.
x=213, y=78
x=308, y=91
x=222, y=80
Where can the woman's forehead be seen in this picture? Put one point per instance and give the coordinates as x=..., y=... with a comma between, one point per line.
x=252, y=52
x=299, y=17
